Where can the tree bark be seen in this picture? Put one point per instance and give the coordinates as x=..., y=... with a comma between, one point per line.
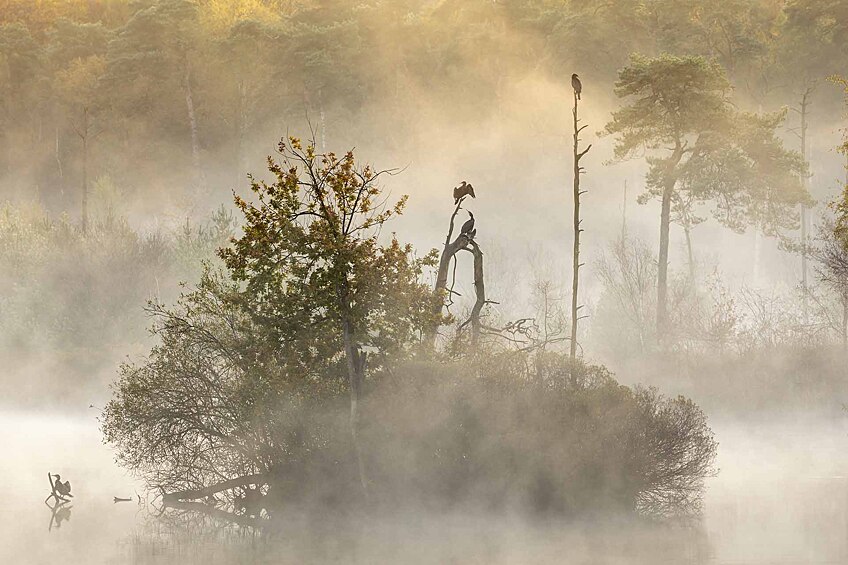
x=356, y=373
x=59, y=162
x=84, y=137
x=805, y=103
x=575, y=255
x=192, y=121
x=665, y=222
x=449, y=250
x=687, y=231
x=241, y=126
x=479, y=291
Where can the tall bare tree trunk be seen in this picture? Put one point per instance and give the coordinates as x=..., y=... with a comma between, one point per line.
x=662, y=263
x=624, y=214
x=84, y=136
x=804, y=209
x=59, y=162
x=323, y=118
x=575, y=254
x=192, y=121
x=480, y=293
x=241, y=126
x=450, y=249
x=687, y=232
x=803, y=112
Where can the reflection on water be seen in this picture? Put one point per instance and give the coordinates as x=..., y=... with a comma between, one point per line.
x=781, y=497
x=59, y=512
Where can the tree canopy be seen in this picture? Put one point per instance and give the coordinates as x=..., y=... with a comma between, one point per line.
x=678, y=113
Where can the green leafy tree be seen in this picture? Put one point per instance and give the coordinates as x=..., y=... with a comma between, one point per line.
x=678, y=113
x=78, y=87
x=22, y=88
x=316, y=273
x=151, y=74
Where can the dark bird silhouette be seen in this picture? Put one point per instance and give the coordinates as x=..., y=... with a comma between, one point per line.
x=463, y=189
x=467, y=228
x=63, y=488
x=59, y=490
x=578, y=86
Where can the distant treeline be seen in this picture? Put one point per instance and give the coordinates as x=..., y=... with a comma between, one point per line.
x=72, y=302
x=169, y=95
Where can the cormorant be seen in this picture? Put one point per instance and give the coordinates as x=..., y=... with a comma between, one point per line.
x=578, y=86
x=63, y=489
x=58, y=489
x=463, y=189
x=468, y=227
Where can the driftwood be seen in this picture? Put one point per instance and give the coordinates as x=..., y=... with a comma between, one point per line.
x=169, y=498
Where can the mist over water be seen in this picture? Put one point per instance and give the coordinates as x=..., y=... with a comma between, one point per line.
x=311, y=355
x=780, y=497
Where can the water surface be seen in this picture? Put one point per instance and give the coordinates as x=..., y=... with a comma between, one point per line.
x=781, y=496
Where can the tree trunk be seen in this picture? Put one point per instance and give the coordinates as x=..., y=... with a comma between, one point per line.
x=805, y=103
x=662, y=264
x=757, y=253
x=59, y=160
x=575, y=254
x=192, y=121
x=687, y=230
x=449, y=250
x=356, y=373
x=480, y=292
x=665, y=222
x=84, y=136
x=241, y=122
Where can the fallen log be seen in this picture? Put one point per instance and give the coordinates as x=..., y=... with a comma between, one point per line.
x=249, y=480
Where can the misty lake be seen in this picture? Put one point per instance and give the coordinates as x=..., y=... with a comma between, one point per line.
x=781, y=496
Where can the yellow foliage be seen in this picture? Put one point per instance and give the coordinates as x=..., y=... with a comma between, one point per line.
x=39, y=15
x=78, y=82
x=220, y=15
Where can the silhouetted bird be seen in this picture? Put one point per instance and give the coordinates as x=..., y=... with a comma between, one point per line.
x=578, y=86
x=464, y=189
x=467, y=227
x=63, y=489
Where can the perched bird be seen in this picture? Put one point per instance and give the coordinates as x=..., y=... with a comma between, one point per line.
x=64, y=489
x=578, y=86
x=467, y=228
x=464, y=189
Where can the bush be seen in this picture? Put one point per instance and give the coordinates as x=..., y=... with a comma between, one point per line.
x=498, y=431
x=565, y=438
